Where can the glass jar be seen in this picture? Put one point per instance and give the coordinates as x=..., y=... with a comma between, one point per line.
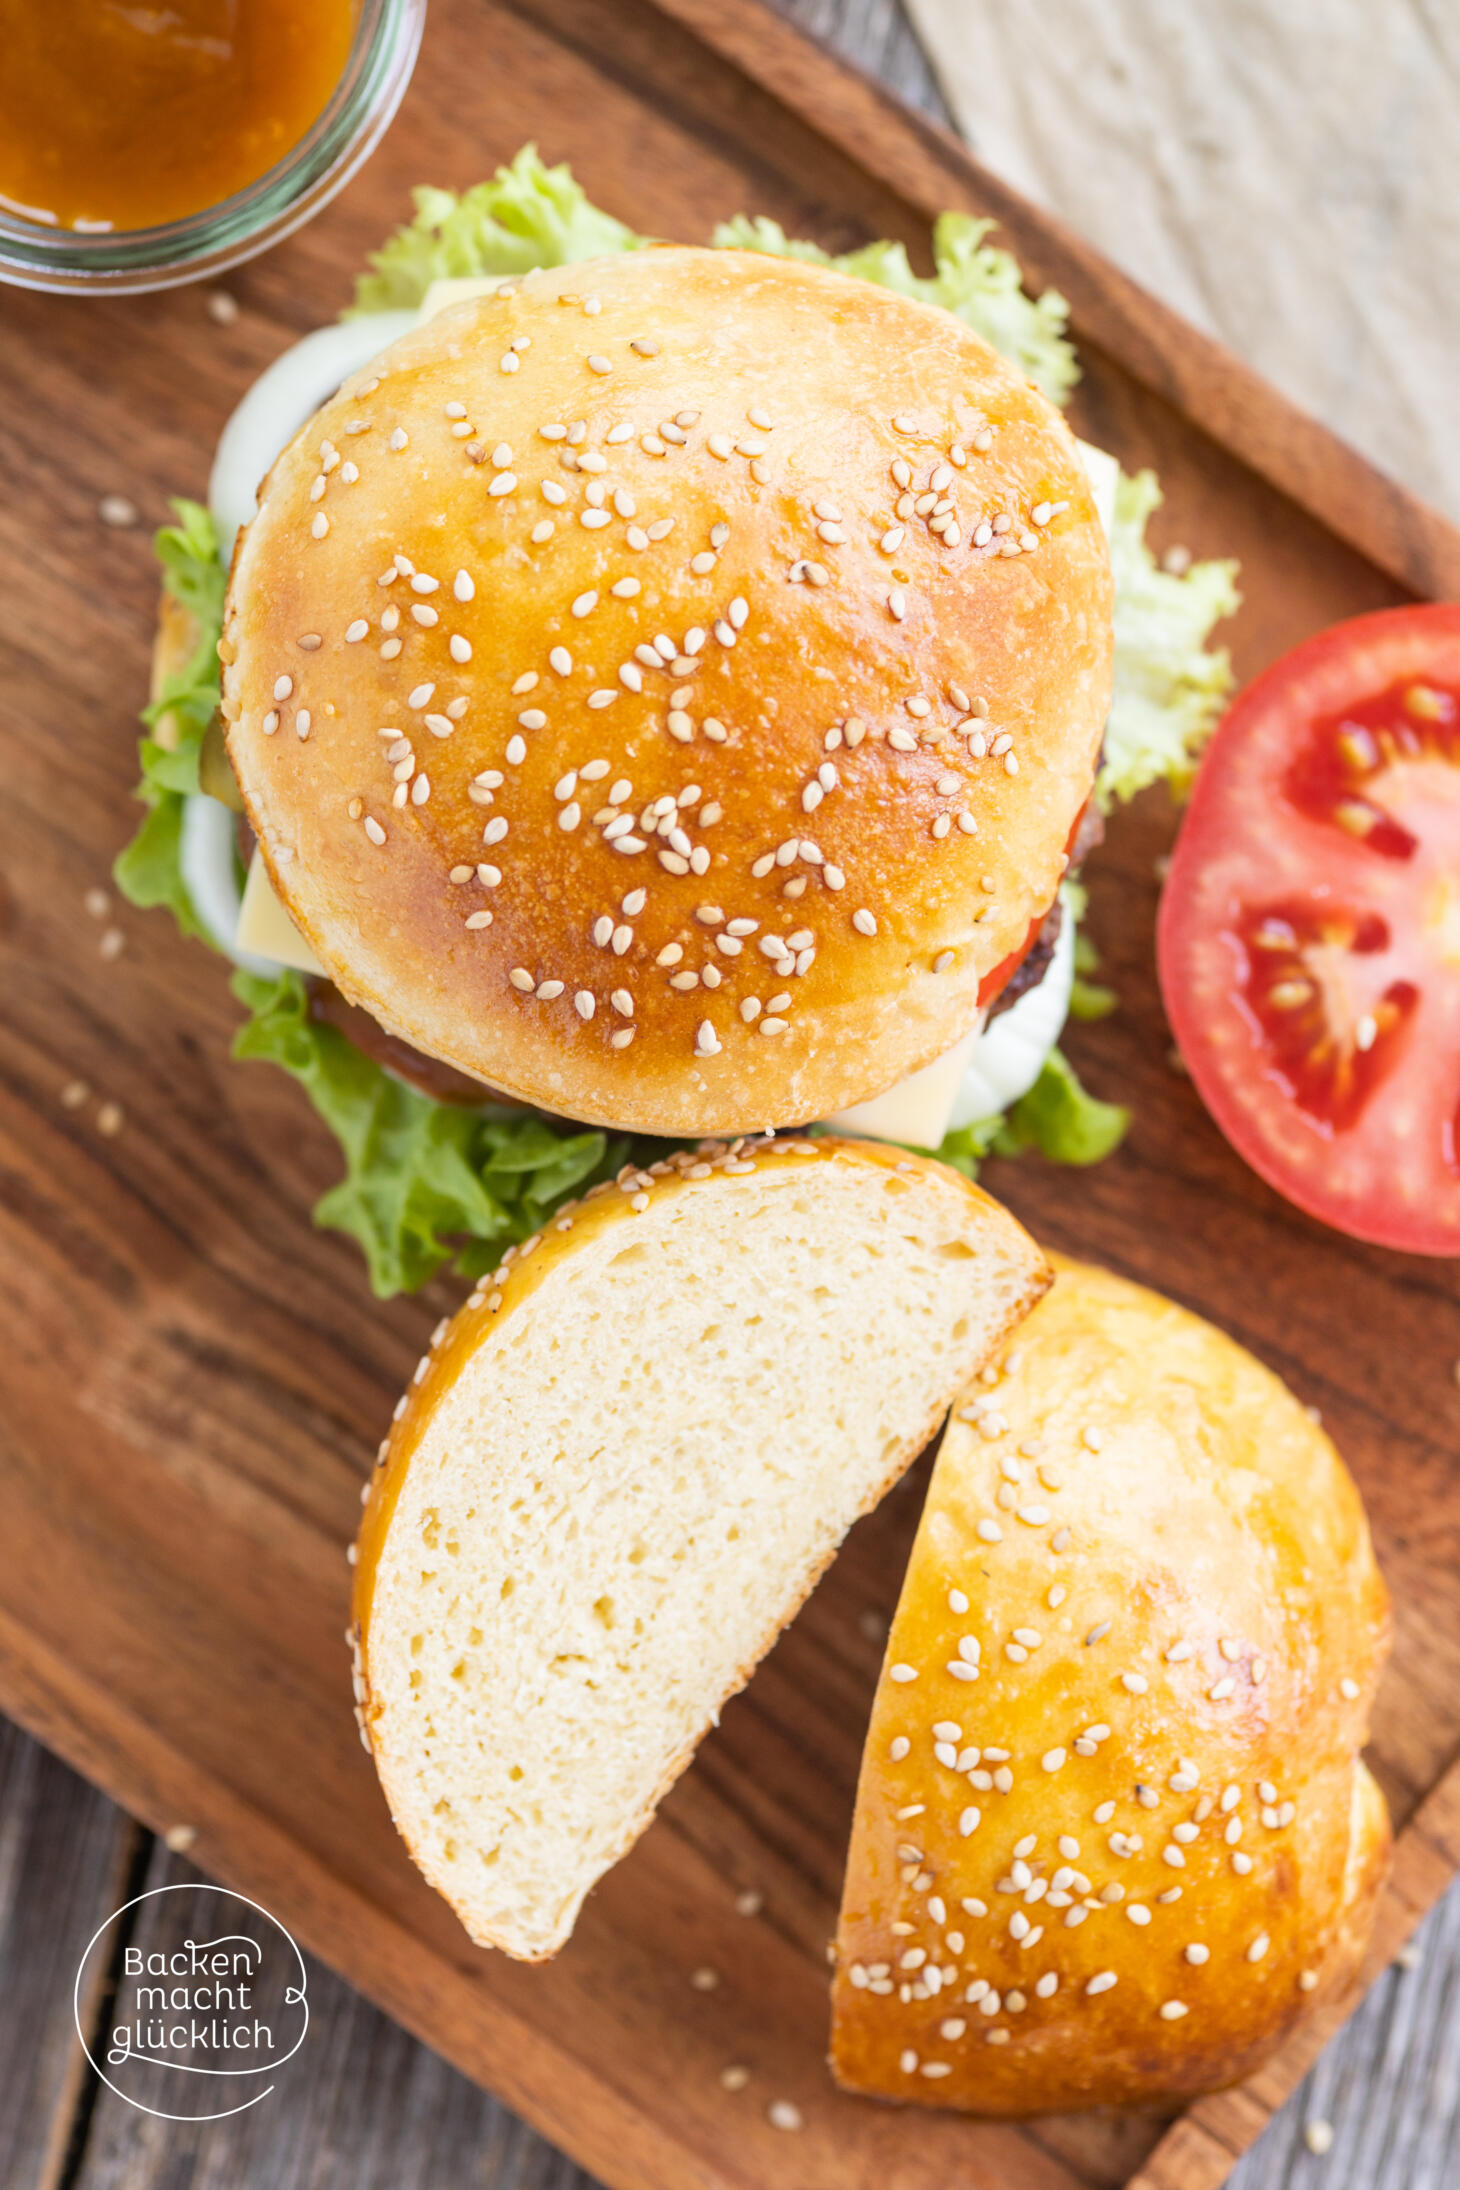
x=122, y=262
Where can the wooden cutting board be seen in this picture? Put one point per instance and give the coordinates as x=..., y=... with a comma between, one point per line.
x=194, y=1380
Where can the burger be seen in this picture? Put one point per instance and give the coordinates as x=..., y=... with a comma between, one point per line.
x=664, y=692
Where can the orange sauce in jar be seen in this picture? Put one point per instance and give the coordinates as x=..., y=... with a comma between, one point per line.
x=122, y=114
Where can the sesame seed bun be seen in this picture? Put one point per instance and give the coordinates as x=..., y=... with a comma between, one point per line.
x=656, y=533
x=621, y=1469
x=1113, y=1836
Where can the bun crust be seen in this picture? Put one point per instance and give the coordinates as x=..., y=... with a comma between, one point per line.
x=906, y=720
x=1141, y=1911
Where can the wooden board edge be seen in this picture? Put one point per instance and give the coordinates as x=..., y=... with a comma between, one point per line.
x=241, y=1848
x=1200, y=2150
x=1210, y=386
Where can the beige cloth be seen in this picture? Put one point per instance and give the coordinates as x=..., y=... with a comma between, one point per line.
x=1284, y=172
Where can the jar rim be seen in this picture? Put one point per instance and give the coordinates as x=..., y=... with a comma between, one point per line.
x=340, y=139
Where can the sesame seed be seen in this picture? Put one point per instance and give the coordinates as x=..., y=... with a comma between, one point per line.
x=902, y=1672
x=1173, y=2010
x=1318, y=2136
x=782, y=2114
x=373, y=830
x=584, y=604
x=1103, y=1981
x=1349, y=1690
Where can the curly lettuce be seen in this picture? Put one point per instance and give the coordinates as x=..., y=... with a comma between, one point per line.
x=425, y=1182
x=149, y=871
x=429, y=1183
x=528, y=215
x=1169, y=686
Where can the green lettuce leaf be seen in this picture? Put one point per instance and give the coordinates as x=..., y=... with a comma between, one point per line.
x=527, y=215
x=975, y=280
x=425, y=1182
x=149, y=871
x=1057, y=1116
x=1089, y=999
x=965, y=1148
x=1169, y=688
x=1061, y=1120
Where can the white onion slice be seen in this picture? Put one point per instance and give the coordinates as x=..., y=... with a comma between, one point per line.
x=1009, y=1055
x=280, y=401
x=208, y=858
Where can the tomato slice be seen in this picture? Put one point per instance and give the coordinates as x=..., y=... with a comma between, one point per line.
x=1309, y=935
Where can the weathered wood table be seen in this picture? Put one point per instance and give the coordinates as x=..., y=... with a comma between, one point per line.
x=378, y=2109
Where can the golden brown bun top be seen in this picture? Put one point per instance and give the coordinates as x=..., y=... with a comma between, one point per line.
x=665, y=687
x=1131, y=1840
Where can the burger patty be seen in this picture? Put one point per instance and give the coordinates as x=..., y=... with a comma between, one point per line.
x=1035, y=964
x=427, y=1075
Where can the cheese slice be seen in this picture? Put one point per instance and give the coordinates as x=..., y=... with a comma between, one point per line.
x=918, y=1109
x=264, y=927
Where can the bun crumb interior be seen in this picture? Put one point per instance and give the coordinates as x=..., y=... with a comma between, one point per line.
x=621, y=1471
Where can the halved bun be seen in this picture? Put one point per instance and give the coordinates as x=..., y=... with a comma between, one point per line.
x=621, y=1470
x=1142, y=1617
x=634, y=536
